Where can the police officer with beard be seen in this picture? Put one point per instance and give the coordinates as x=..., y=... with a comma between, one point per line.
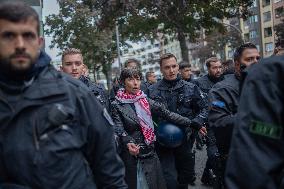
x=185, y=99
x=224, y=101
x=205, y=83
x=53, y=132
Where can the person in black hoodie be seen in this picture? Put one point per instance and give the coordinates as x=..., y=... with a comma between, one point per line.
x=53, y=132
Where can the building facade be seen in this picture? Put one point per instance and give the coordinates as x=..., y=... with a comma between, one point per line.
x=148, y=53
x=259, y=27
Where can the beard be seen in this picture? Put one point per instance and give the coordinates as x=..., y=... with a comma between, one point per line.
x=16, y=69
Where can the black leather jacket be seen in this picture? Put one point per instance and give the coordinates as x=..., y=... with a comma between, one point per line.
x=56, y=135
x=127, y=123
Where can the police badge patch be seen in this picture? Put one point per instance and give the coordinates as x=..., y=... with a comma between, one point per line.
x=266, y=130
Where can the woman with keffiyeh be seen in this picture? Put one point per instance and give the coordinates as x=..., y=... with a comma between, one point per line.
x=132, y=113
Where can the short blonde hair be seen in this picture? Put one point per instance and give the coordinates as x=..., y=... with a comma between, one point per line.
x=70, y=51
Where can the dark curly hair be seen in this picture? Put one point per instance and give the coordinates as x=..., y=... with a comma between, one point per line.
x=129, y=73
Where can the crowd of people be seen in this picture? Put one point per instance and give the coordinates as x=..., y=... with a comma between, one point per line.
x=59, y=129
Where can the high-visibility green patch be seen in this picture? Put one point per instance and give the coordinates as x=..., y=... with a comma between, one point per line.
x=267, y=130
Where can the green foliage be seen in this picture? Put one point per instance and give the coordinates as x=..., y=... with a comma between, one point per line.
x=215, y=43
x=181, y=18
x=90, y=24
x=76, y=26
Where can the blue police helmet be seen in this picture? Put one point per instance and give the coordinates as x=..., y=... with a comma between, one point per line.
x=169, y=135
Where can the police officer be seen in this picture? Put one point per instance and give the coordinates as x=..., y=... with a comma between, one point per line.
x=73, y=64
x=205, y=83
x=150, y=78
x=185, y=99
x=258, y=140
x=185, y=71
x=224, y=101
x=53, y=133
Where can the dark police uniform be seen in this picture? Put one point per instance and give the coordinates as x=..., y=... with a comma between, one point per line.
x=205, y=83
x=55, y=135
x=97, y=90
x=223, y=105
x=256, y=156
x=185, y=99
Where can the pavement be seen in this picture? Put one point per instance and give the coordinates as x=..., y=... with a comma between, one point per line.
x=200, y=161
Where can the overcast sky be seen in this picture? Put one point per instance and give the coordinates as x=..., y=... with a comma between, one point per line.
x=50, y=7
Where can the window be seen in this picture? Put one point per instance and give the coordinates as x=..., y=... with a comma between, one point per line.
x=252, y=34
x=268, y=47
x=254, y=4
x=279, y=12
x=246, y=24
x=253, y=19
x=265, y=3
x=268, y=32
x=267, y=16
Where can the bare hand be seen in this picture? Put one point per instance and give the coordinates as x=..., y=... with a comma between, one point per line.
x=203, y=131
x=133, y=149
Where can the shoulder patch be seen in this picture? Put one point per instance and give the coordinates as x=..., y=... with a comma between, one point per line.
x=108, y=117
x=219, y=104
x=266, y=129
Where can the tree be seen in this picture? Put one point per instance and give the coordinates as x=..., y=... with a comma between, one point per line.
x=76, y=26
x=216, y=43
x=181, y=18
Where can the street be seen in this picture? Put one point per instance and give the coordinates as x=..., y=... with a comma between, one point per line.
x=199, y=166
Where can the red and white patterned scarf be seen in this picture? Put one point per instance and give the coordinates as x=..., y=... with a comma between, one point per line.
x=143, y=112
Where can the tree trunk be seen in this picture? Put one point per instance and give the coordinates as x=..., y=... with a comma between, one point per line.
x=183, y=46
x=107, y=72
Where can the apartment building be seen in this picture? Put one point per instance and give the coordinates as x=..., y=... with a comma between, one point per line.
x=259, y=27
x=148, y=53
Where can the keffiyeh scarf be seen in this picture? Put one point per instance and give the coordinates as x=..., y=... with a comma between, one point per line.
x=143, y=112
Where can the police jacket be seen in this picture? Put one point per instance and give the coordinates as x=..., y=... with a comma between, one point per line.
x=205, y=83
x=258, y=140
x=180, y=97
x=55, y=135
x=97, y=90
x=223, y=105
